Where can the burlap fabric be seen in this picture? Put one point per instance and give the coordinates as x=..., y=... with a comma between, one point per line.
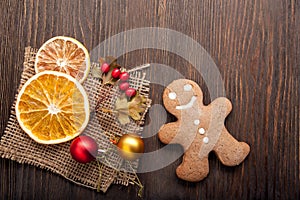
x=16, y=145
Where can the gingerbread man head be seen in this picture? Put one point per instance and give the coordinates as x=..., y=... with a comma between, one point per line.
x=181, y=95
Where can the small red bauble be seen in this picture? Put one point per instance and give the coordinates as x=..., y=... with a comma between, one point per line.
x=116, y=73
x=130, y=92
x=105, y=68
x=124, y=76
x=124, y=86
x=84, y=149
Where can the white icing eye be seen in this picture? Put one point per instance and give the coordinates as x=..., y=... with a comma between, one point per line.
x=172, y=95
x=187, y=87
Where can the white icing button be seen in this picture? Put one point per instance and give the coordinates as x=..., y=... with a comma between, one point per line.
x=187, y=87
x=201, y=131
x=205, y=140
x=197, y=122
x=172, y=95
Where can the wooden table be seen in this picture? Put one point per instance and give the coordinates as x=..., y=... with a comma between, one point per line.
x=255, y=45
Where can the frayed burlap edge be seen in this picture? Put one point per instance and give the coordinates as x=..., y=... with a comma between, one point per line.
x=17, y=146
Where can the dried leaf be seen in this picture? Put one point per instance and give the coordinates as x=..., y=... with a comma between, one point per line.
x=134, y=108
x=137, y=106
x=121, y=107
x=112, y=61
x=96, y=72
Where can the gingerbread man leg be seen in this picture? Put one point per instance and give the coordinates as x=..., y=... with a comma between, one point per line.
x=193, y=168
x=230, y=151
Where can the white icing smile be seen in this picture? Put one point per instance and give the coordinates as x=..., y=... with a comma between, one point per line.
x=188, y=105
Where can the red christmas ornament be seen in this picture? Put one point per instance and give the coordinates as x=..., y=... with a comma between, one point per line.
x=105, y=68
x=130, y=92
x=116, y=73
x=84, y=149
x=124, y=86
x=124, y=76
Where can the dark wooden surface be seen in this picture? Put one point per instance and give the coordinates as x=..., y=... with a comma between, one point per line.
x=255, y=44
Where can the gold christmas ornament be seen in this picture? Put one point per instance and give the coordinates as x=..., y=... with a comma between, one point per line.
x=130, y=146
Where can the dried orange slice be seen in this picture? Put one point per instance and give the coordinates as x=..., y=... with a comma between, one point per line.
x=52, y=107
x=64, y=54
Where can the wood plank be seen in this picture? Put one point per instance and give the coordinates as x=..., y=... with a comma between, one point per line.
x=255, y=45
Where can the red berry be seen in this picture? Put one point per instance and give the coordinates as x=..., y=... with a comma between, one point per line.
x=116, y=73
x=130, y=92
x=124, y=86
x=124, y=76
x=105, y=68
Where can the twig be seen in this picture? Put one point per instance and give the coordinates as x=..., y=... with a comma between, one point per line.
x=100, y=177
x=138, y=183
x=139, y=68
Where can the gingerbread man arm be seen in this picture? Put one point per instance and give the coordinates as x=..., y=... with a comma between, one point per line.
x=229, y=151
x=223, y=104
x=168, y=132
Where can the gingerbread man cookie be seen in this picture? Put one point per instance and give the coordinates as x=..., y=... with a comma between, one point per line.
x=199, y=130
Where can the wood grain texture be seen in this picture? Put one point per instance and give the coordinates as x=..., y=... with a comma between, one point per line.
x=256, y=47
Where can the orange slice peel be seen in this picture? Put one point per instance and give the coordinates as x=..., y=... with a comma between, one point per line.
x=52, y=107
x=64, y=54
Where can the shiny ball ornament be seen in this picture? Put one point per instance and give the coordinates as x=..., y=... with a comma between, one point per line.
x=130, y=146
x=84, y=149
